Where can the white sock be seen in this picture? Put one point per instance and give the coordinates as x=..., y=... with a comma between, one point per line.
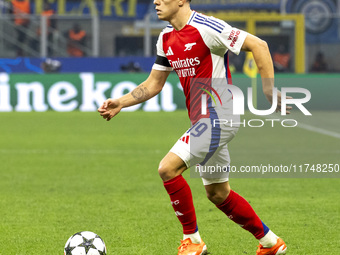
x=195, y=237
x=269, y=240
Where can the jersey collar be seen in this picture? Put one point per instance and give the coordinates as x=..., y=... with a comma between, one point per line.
x=193, y=13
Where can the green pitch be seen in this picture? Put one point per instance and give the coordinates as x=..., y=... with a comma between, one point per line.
x=61, y=173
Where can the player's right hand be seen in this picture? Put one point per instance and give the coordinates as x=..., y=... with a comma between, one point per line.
x=110, y=108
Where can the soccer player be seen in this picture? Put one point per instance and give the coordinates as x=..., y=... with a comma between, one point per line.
x=195, y=46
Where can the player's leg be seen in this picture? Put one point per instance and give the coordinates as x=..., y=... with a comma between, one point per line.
x=236, y=207
x=170, y=170
x=239, y=210
x=171, y=166
x=217, y=193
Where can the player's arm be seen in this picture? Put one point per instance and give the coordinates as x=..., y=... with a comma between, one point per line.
x=146, y=90
x=264, y=63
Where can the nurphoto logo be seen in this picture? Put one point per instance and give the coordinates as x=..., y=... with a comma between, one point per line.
x=220, y=101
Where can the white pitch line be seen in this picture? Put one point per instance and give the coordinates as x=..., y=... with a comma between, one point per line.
x=319, y=130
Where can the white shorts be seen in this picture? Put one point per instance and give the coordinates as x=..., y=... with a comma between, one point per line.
x=204, y=146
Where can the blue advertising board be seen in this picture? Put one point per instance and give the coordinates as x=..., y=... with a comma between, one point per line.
x=76, y=65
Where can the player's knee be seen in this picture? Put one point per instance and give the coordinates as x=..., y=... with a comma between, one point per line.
x=166, y=172
x=216, y=196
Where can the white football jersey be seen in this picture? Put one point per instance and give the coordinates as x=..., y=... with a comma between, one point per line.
x=199, y=51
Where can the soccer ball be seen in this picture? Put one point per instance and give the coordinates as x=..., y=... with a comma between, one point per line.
x=85, y=243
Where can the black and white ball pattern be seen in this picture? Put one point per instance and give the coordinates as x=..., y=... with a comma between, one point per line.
x=85, y=243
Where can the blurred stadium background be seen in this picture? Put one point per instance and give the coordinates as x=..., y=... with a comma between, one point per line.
x=61, y=173
x=75, y=39
x=129, y=28
x=87, y=47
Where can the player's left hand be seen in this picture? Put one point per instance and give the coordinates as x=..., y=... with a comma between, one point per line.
x=269, y=96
